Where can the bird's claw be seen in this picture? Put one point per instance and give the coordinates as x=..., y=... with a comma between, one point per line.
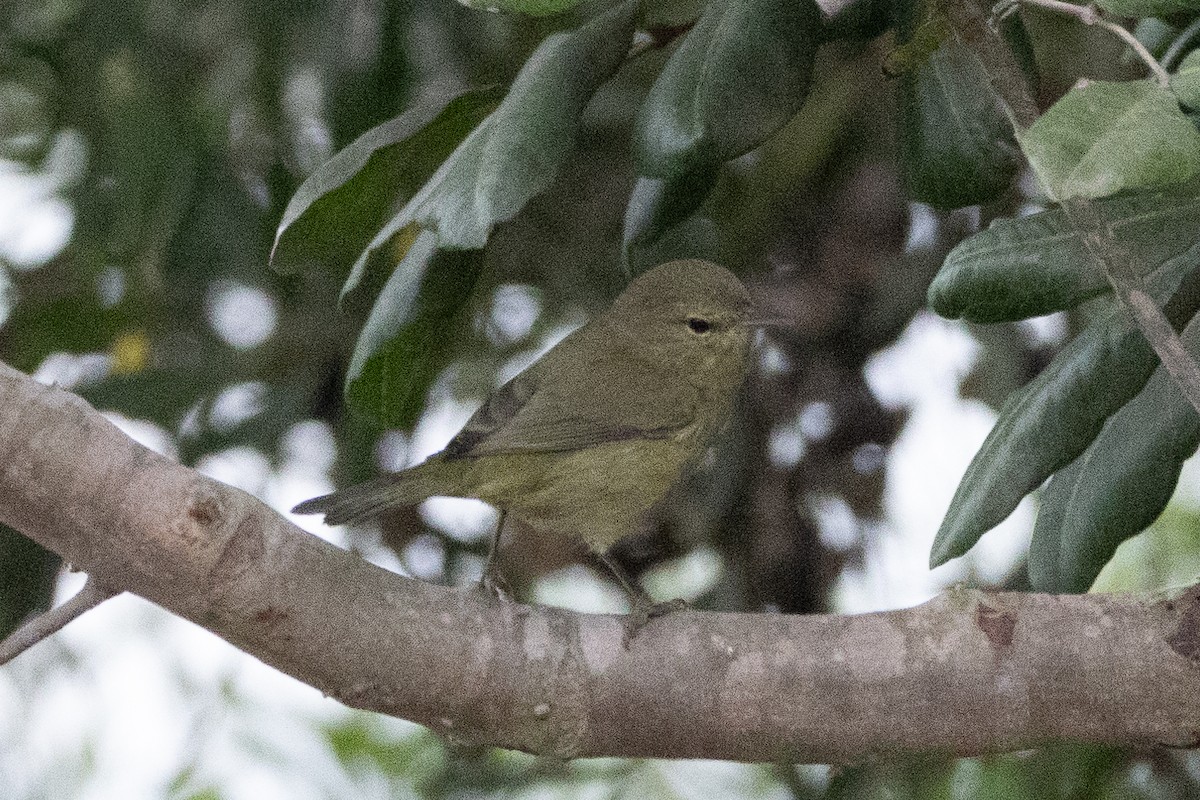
x=493, y=584
x=643, y=612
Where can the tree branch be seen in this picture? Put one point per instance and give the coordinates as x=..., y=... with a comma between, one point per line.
x=47, y=624
x=1090, y=15
x=970, y=672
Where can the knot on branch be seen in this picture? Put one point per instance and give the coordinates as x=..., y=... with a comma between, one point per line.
x=204, y=508
x=1185, y=639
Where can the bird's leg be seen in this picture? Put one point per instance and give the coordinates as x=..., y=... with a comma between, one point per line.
x=492, y=581
x=642, y=607
x=636, y=594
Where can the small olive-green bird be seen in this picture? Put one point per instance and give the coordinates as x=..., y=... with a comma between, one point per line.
x=586, y=439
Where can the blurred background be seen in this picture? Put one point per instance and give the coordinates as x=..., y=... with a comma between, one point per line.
x=147, y=151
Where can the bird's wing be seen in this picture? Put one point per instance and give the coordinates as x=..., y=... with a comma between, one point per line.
x=497, y=411
x=556, y=407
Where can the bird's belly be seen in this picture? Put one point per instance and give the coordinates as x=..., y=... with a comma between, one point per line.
x=599, y=494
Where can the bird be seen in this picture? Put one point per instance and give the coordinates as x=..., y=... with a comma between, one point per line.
x=588, y=438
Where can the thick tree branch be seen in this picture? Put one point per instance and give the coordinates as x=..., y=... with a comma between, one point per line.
x=969, y=672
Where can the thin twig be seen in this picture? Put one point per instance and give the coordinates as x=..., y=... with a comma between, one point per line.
x=1116, y=259
x=1004, y=73
x=1171, y=57
x=1120, y=266
x=43, y=625
x=1090, y=15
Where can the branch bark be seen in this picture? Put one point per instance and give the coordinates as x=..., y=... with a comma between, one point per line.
x=969, y=672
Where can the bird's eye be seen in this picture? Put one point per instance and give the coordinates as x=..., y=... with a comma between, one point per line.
x=698, y=325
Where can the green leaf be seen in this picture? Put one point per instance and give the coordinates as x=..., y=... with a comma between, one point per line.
x=1035, y=265
x=1155, y=34
x=534, y=8
x=1051, y=420
x=656, y=206
x=146, y=149
x=1102, y=138
x=340, y=206
x=358, y=741
x=1148, y=8
x=1166, y=556
x=858, y=21
x=695, y=237
x=1117, y=487
x=407, y=336
x=921, y=28
x=515, y=153
x=1185, y=83
x=740, y=74
x=957, y=145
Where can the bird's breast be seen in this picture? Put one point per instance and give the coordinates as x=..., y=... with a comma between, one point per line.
x=600, y=494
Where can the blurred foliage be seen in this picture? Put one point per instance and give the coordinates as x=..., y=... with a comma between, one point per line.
x=441, y=191
x=27, y=574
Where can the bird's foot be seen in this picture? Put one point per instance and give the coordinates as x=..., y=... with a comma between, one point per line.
x=645, y=611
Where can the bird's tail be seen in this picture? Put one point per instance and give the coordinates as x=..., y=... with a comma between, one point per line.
x=364, y=500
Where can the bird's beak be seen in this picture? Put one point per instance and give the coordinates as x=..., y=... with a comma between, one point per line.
x=768, y=322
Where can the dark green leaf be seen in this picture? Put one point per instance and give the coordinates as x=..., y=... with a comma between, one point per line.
x=1148, y=8
x=1155, y=34
x=147, y=151
x=516, y=152
x=913, y=778
x=406, y=339
x=1186, y=82
x=1103, y=137
x=695, y=237
x=535, y=8
x=1117, y=487
x=341, y=205
x=861, y=782
x=656, y=206
x=740, y=74
x=1035, y=265
x=921, y=28
x=27, y=572
x=1051, y=420
x=957, y=145
x=859, y=20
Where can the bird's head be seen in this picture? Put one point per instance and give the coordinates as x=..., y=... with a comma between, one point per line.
x=694, y=313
